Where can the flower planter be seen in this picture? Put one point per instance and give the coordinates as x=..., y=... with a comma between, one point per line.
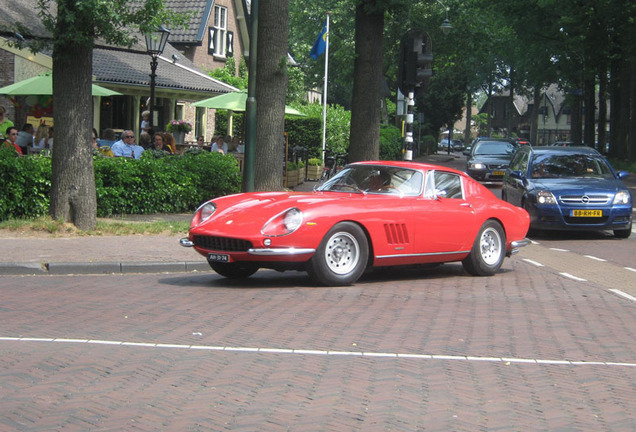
x=292, y=178
x=179, y=136
x=314, y=172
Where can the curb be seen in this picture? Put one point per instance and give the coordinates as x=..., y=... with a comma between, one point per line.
x=89, y=268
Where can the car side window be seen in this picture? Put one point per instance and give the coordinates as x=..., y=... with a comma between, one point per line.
x=440, y=183
x=520, y=162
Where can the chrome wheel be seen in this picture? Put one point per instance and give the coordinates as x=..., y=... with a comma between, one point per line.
x=341, y=257
x=488, y=252
x=491, y=246
x=342, y=253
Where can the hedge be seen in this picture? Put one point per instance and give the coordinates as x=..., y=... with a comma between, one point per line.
x=172, y=184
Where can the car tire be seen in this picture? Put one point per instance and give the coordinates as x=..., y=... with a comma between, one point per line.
x=234, y=270
x=488, y=252
x=341, y=257
x=623, y=234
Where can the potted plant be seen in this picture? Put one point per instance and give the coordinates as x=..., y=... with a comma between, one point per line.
x=179, y=128
x=301, y=172
x=314, y=169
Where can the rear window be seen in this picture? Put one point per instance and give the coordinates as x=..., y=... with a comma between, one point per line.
x=494, y=148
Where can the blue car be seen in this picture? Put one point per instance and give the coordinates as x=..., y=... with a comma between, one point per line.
x=568, y=188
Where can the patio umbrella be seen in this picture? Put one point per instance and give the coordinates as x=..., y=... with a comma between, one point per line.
x=235, y=101
x=43, y=85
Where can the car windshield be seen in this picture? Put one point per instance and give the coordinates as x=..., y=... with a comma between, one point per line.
x=375, y=179
x=494, y=148
x=571, y=165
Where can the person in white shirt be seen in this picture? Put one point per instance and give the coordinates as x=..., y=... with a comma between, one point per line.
x=219, y=146
x=126, y=146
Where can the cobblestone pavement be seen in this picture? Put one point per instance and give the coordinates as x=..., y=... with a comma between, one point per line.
x=407, y=350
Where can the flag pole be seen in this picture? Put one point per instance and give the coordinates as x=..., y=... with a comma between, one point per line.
x=324, y=93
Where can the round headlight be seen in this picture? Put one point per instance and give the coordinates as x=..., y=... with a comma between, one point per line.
x=207, y=210
x=292, y=219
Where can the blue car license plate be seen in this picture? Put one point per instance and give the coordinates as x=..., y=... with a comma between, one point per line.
x=214, y=257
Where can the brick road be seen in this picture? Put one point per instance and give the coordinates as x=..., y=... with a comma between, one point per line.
x=413, y=350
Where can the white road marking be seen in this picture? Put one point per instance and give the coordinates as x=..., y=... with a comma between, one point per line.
x=595, y=258
x=506, y=360
x=568, y=275
x=623, y=294
x=630, y=269
x=533, y=262
x=559, y=250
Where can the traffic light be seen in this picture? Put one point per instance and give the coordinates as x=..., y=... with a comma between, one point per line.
x=416, y=61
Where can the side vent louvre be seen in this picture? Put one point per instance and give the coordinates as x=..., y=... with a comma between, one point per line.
x=396, y=234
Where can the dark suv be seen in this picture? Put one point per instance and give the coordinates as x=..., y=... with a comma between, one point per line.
x=489, y=158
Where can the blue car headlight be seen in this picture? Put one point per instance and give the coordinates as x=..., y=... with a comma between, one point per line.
x=622, y=197
x=477, y=166
x=545, y=197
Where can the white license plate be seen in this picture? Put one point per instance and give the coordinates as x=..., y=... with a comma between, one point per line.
x=214, y=257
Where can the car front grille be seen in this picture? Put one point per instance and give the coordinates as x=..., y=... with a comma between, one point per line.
x=498, y=167
x=222, y=243
x=585, y=199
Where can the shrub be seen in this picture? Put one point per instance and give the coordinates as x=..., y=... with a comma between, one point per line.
x=26, y=185
x=171, y=184
x=390, y=143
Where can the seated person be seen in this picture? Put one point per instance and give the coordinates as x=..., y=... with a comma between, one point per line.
x=126, y=146
x=377, y=181
x=10, y=141
x=107, y=139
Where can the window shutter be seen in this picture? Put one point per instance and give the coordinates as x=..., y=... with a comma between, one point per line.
x=230, y=44
x=212, y=40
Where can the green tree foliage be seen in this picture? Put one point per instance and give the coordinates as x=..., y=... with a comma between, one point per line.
x=229, y=75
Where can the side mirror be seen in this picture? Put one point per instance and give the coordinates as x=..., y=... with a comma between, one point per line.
x=440, y=193
x=622, y=174
x=517, y=175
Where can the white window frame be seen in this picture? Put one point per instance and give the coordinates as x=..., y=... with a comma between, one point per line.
x=220, y=36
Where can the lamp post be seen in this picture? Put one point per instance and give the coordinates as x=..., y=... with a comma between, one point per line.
x=446, y=25
x=155, y=43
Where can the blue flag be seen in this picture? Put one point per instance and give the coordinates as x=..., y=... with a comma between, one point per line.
x=320, y=45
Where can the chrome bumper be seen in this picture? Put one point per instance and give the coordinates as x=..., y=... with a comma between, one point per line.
x=281, y=251
x=185, y=242
x=518, y=244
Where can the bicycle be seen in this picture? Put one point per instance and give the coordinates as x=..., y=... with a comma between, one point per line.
x=333, y=164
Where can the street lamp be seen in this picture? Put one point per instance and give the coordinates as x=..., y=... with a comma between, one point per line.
x=446, y=25
x=155, y=43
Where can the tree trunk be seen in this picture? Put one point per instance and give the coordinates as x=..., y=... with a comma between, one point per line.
x=469, y=112
x=534, y=115
x=73, y=181
x=630, y=150
x=367, y=83
x=271, y=87
x=602, y=110
x=589, y=131
x=576, y=125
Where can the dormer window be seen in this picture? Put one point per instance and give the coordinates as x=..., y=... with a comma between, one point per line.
x=218, y=33
x=220, y=40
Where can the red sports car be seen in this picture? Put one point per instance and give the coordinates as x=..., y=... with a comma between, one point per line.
x=371, y=214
